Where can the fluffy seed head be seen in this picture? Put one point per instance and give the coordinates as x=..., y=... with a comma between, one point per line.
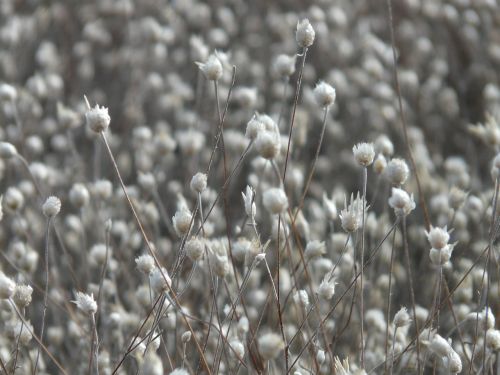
x=438, y=237
x=97, y=118
x=324, y=94
x=401, y=202
x=364, y=153
x=22, y=295
x=51, y=207
x=86, y=303
x=268, y=144
x=284, y=65
x=198, y=182
x=401, y=318
x=194, y=249
x=182, y=221
x=212, y=68
x=7, y=150
x=327, y=287
x=493, y=340
x=275, y=200
x=305, y=33
x=7, y=286
x=160, y=280
x=79, y=195
x=254, y=127
x=145, y=263
x=270, y=345
x=397, y=171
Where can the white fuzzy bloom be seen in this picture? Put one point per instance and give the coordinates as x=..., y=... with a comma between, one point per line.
x=238, y=347
x=397, y=171
x=151, y=365
x=254, y=127
x=186, y=337
x=438, y=237
x=305, y=33
x=275, y=200
x=284, y=65
x=160, y=280
x=194, y=249
x=145, y=263
x=199, y=182
x=301, y=298
x=270, y=345
x=7, y=286
x=401, y=202
x=401, y=318
x=249, y=201
x=22, y=295
x=182, y=221
x=327, y=287
x=7, y=150
x=79, y=195
x=453, y=363
x=364, y=153
x=51, y=207
x=7, y=92
x=268, y=144
x=98, y=119
x=441, y=256
x=212, y=68
x=379, y=164
x=493, y=340
x=86, y=303
x=440, y=346
x=351, y=216
x=314, y=249
x=329, y=207
x=324, y=94
x=14, y=199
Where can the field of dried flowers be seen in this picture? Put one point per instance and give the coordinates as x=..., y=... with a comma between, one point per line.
x=249, y=187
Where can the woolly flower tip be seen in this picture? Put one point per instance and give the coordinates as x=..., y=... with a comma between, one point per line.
x=305, y=33
x=179, y=371
x=401, y=318
x=86, y=303
x=212, y=68
x=7, y=286
x=270, y=345
x=352, y=214
x=275, y=200
x=7, y=150
x=145, y=263
x=397, y=171
x=324, y=94
x=364, y=153
x=52, y=206
x=401, y=202
x=160, y=280
x=438, y=237
x=284, y=65
x=98, y=118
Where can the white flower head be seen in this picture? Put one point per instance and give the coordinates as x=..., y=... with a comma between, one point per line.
x=86, y=303
x=324, y=94
x=249, y=201
x=212, y=68
x=51, y=207
x=351, y=216
x=438, y=237
x=364, y=153
x=305, y=33
x=275, y=200
x=98, y=118
x=401, y=202
x=401, y=318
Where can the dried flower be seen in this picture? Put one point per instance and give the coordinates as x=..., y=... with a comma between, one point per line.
x=86, y=303
x=305, y=33
x=324, y=94
x=212, y=68
x=51, y=207
x=98, y=118
x=401, y=202
x=364, y=153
